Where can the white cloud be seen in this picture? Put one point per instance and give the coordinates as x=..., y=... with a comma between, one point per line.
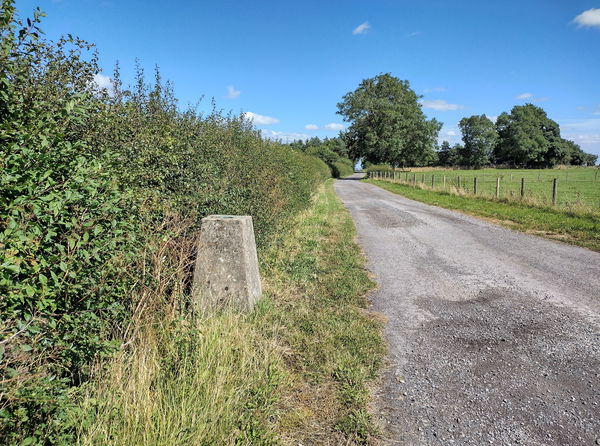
x=104, y=83
x=434, y=89
x=284, y=136
x=588, y=18
x=524, y=96
x=441, y=105
x=311, y=127
x=334, y=126
x=232, y=93
x=260, y=119
x=581, y=125
x=361, y=29
x=449, y=133
x=414, y=34
x=585, y=132
x=597, y=111
x=585, y=138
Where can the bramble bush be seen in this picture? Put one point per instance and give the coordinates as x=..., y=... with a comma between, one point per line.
x=87, y=177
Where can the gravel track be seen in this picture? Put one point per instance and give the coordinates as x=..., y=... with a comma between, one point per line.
x=494, y=335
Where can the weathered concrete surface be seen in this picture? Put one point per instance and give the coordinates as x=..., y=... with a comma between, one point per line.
x=494, y=335
x=226, y=272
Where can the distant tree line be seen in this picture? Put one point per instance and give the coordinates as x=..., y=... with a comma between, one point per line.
x=388, y=126
x=525, y=137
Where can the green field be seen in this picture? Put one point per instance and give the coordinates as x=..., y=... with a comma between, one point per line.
x=577, y=187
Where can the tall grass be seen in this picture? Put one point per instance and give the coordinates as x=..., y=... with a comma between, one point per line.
x=295, y=370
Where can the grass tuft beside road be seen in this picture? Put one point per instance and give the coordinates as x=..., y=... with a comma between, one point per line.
x=295, y=371
x=316, y=287
x=576, y=228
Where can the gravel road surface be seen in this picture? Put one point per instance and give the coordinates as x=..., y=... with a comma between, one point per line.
x=494, y=335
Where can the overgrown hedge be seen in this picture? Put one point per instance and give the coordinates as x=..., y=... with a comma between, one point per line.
x=340, y=166
x=86, y=178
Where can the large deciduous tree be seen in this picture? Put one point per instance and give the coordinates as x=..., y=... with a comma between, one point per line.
x=480, y=138
x=529, y=138
x=387, y=124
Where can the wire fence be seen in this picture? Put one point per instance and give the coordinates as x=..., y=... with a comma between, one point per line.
x=543, y=188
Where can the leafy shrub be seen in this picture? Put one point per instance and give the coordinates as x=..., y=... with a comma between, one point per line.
x=87, y=178
x=340, y=166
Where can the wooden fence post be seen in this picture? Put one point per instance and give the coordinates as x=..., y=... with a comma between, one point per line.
x=475, y=185
x=458, y=181
x=444, y=183
x=432, y=180
x=422, y=178
x=522, y=187
x=498, y=187
x=554, y=191
x=414, y=178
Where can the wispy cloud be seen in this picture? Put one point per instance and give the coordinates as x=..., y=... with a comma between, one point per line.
x=597, y=110
x=311, y=127
x=588, y=19
x=284, y=136
x=441, y=105
x=414, y=34
x=104, y=83
x=449, y=133
x=524, y=96
x=232, y=93
x=434, y=90
x=585, y=132
x=260, y=119
x=362, y=28
x=334, y=126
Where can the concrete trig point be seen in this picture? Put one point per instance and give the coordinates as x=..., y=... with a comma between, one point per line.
x=226, y=271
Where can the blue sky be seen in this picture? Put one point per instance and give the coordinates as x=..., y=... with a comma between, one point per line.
x=289, y=63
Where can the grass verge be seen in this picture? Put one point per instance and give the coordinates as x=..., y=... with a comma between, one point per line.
x=295, y=370
x=578, y=229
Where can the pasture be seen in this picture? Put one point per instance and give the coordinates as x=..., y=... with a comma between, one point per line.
x=577, y=187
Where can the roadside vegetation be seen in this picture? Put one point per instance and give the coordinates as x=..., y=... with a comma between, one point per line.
x=571, y=226
x=102, y=194
x=332, y=151
x=296, y=370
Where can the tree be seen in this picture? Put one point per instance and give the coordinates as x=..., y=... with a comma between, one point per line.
x=575, y=156
x=448, y=156
x=591, y=159
x=480, y=138
x=387, y=123
x=528, y=138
